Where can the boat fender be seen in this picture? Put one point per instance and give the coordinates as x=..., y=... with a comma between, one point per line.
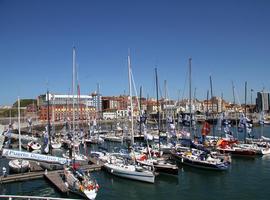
x=81, y=188
x=111, y=170
x=182, y=160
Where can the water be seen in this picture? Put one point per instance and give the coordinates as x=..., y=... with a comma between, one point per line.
x=247, y=178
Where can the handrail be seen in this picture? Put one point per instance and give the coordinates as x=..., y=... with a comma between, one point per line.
x=10, y=197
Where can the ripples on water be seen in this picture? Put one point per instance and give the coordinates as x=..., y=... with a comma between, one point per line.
x=247, y=178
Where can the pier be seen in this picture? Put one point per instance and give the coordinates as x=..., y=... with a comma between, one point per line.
x=57, y=181
x=40, y=174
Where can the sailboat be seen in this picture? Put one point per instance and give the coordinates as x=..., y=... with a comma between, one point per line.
x=33, y=146
x=199, y=158
x=19, y=165
x=77, y=181
x=55, y=141
x=74, y=150
x=159, y=163
x=120, y=166
x=81, y=183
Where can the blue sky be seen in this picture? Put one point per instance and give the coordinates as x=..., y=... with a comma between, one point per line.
x=228, y=39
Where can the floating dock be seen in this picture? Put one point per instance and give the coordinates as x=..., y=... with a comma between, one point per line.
x=57, y=181
x=40, y=174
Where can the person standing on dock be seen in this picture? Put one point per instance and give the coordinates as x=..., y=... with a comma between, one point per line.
x=4, y=172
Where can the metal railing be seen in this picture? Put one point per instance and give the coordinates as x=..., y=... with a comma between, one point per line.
x=10, y=197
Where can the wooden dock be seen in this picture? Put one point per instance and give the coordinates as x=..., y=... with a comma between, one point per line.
x=21, y=177
x=57, y=181
x=40, y=174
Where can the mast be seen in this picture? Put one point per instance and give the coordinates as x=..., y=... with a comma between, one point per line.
x=98, y=109
x=131, y=104
x=165, y=107
x=53, y=116
x=194, y=102
x=245, y=112
x=79, y=108
x=190, y=123
x=48, y=122
x=212, y=102
x=207, y=105
x=158, y=110
x=233, y=88
x=19, y=124
x=73, y=89
x=141, y=113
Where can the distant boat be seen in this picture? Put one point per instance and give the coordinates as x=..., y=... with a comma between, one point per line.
x=56, y=144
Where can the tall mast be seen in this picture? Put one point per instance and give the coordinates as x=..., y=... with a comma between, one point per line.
x=78, y=96
x=98, y=109
x=207, y=105
x=190, y=123
x=19, y=124
x=236, y=117
x=158, y=110
x=131, y=104
x=212, y=102
x=141, y=113
x=245, y=111
x=73, y=89
x=165, y=107
x=48, y=117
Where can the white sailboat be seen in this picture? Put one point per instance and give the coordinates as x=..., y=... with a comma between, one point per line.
x=131, y=171
x=81, y=183
x=77, y=181
x=19, y=165
x=74, y=142
x=120, y=167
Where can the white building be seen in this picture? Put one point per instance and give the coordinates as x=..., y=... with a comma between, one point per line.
x=62, y=99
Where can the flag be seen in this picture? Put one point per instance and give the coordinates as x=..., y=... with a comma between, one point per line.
x=206, y=128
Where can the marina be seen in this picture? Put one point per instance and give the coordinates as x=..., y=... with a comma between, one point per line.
x=134, y=100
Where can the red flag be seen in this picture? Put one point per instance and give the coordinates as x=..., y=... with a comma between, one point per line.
x=206, y=128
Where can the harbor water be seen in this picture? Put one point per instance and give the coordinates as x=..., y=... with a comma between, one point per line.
x=247, y=178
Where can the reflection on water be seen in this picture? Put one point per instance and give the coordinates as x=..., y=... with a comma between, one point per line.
x=246, y=179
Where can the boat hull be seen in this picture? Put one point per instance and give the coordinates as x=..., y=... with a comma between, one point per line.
x=202, y=165
x=18, y=166
x=134, y=175
x=245, y=153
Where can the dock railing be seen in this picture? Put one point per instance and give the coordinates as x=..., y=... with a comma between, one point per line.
x=10, y=197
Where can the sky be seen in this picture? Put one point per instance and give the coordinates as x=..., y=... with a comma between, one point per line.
x=229, y=40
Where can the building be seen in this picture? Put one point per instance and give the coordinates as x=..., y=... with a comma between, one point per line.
x=215, y=104
x=61, y=107
x=262, y=101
